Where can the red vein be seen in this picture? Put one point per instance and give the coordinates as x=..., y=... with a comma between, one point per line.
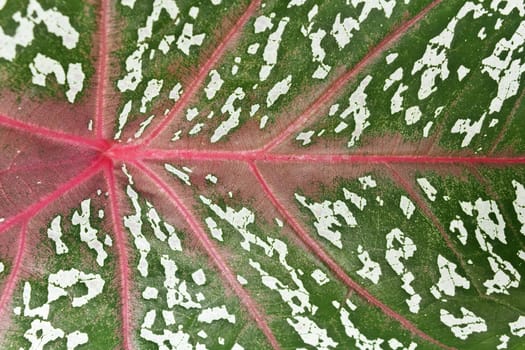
x=102, y=69
x=52, y=134
x=338, y=85
x=13, y=275
x=126, y=153
x=213, y=253
x=316, y=248
x=120, y=241
x=51, y=197
x=203, y=72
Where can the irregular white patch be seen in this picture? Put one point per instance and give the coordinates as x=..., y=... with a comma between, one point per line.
x=391, y=57
x=464, y=326
x=42, y=333
x=175, y=92
x=87, y=233
x=407, y=207
x=134, y=70
x=252, y=49
x=271, y=48
x=233, y=121
x=342, y=30
x=371, y=269
x=320, y=277
x=176, y=290
x=123, y=119
x=155, y=221
x=405, y=250
x=393, y=78
x=358, y=109
x=75, y=80
x=462, y=72
x=213, y=314
x=412, y=115
x=367, y=182
x=519, y=203
x=449, y=279
x=325, y=214
x=133, y=223
x=458, y=225
x=211, y=178
x=214, y=85
x=305, y=136
x=54, y=232
x=504, y=340
x=487, y=211
x=355, y=199
x=199, y=277
x=128, y=3
x=505, y=70
x=143, y=125
x=152, y=90
x=396, y=103
x=216, y=231
x=466, y=126
x=75, y=339
x=168, y=339
x=2, y=267
x=150, y=293
x=280, y=88
x=518, y=327
x=164, y=45
x=58, y=282
x=181, y=175
x=262, y=24
x=319, y=54
x=296, y=3
x=434, y=62
x=263, y=122
x=426, y=129
x=311, y=333
x=242, y=280
x=429, y=190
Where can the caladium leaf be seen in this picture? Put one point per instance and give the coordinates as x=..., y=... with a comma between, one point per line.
x=253, y=175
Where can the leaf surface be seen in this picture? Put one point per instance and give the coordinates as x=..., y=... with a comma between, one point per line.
x=256, y=175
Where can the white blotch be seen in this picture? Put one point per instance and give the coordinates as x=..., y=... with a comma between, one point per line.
x=252, y=49
x=42, y=333
x=175, y=92
x=187, y=39
x=465, y=325
x=462, y=72
x=280, y=88
x=393, y=78
x=262, y=123
x=458, y=225
x=123, y=119
x=469, y=128
x=367, y=182
x=181, y=175
x=519, y=204
x=213, y=314
x=271, y=48
x=391, y=57
x=150, y=293
x=214, y=85
x=199, y=277
x=152, y=90
x=371, y=270
x=54, y=232
x=176, y=290
x=75, y=339
x=262, y=24
x=449, y=279
x=242, y=280
x=412, y=115
x=87, y=233
x=58, y=282
x=320, y=277
x=429, y=190
x=407, y=207
x=305, y=137
x=167, y=340
x=518, y=327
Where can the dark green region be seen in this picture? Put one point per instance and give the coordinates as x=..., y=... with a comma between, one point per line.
x=16, y=76
x=99, y=318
